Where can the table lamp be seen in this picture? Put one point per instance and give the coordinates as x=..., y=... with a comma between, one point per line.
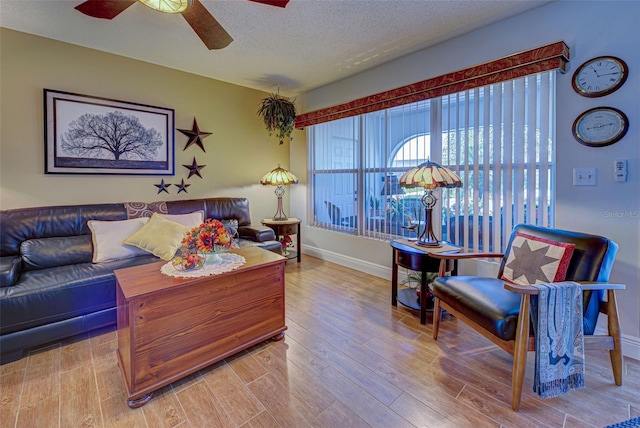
x=279, y=177
x=429, y=175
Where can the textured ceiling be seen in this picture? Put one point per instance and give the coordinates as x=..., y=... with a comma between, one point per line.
x=308, y=44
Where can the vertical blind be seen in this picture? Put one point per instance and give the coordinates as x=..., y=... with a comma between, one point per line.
x=498, y=138
x=334, y=160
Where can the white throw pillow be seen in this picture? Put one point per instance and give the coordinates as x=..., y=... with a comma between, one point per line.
x=108, y=237
x=190, y=220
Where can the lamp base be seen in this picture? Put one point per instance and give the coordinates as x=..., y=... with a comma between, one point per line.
x=428, y=238
x=432, y=244
x=279, y=215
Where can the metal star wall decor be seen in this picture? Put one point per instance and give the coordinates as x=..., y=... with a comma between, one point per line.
x=182, y=187
x=195, y=136
x=162, y=187
x=194, y=168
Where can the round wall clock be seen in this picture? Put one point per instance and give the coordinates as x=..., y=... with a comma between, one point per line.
x=600, y=126
x=599, y=76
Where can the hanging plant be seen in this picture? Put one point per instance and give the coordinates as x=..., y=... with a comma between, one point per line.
x=278, y=115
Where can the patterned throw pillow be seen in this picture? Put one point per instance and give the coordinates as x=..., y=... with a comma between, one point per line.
x=143, y=209
x=534, y=260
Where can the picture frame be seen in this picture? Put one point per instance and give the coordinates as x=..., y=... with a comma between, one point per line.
x=93, y=135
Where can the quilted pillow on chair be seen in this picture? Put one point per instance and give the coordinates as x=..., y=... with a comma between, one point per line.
x=534, y=260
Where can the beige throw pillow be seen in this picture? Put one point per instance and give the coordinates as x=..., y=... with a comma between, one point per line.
x=190, y=220
x=160, y=237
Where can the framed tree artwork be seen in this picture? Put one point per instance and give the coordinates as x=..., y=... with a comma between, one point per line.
x=93, y=135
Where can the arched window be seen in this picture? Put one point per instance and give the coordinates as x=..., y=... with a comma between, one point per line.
x=412, y=152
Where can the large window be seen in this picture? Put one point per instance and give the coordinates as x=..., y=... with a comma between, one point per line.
x=498, y=138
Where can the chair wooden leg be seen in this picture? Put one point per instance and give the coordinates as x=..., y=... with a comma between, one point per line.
x=437, y=310
x=613, y=324
x=437, y=314
x=520, y=352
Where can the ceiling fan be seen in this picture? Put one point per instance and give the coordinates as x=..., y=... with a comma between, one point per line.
x=203, y=23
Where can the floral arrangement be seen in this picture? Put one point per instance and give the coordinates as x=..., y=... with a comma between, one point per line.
x=211, y=237
x=286, y=242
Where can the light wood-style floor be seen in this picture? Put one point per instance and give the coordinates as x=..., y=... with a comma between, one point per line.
x=349, y=359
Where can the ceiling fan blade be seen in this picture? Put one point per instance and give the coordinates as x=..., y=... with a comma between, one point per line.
x=279, y=3
x=104, y=9
x=206, y=27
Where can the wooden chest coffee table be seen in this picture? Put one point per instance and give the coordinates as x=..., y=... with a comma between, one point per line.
x=171, y=327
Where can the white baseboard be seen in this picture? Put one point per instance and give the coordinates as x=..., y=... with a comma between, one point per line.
x=347, y=261
x=631, y=347
x=630, y=344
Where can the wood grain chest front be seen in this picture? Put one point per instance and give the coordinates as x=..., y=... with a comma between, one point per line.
x=171, y=327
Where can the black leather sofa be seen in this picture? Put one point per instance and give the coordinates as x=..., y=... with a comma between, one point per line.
x=49, y=287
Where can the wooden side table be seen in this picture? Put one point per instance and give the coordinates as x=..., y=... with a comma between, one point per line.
x=288, y=227
x=410, y=256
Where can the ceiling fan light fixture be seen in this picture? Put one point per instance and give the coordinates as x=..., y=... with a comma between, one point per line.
x=168, y=6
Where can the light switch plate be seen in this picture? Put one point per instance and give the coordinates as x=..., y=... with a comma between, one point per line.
x=584, y=176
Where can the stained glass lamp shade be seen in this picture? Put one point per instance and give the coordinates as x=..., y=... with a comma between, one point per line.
x=279, y=177
x=429, y=176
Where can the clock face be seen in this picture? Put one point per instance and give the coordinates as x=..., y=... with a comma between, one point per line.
x=599, y=76
x=600, y=126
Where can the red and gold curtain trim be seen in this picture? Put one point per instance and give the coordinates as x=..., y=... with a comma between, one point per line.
x=545, y=58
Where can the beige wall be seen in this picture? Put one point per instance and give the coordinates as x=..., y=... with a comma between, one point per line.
x=238, y=152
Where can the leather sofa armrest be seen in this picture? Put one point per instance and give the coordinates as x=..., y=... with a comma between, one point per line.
x=257, y=233
x=9, y=270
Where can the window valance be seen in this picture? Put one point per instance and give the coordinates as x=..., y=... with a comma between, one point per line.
x=550, y=57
